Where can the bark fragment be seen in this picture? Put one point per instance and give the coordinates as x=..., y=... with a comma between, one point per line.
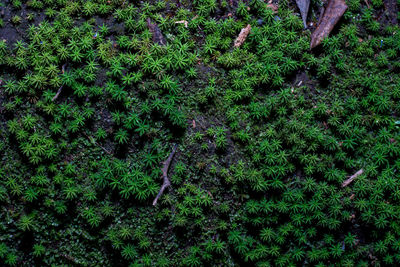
x=182, y=22
x=242, y=36
x=61, y=87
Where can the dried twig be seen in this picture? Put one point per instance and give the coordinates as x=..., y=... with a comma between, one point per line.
x=105, y=150
x=182, y=22
x=61, y=87
x=58, y=93
x=164, y=170
x=354, y=176
x=97, y=144
x=242, y=36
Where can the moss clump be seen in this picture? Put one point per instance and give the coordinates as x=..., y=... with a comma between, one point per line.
x=267, y=133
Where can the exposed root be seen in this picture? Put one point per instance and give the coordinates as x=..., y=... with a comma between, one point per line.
x=164, y=170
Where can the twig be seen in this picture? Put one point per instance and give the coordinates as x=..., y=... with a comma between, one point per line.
x=164, y=170
x=61, y=87
x=105, y=150
x=183, y=22
x=97, y=144
x=242, y=36
x=58, y=93
x=354, y=176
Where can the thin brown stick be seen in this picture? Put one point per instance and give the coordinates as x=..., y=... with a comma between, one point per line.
x=105, y=150
x=354, y=176
x=61, y=87
x=242, y=36
x=183, y=22
x=58, y=93
x=164, y=170
x=97, y=144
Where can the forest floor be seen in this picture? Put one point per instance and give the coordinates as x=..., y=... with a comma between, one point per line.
x=267, y=153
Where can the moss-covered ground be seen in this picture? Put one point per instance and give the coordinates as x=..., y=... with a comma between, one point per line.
x=91, y=104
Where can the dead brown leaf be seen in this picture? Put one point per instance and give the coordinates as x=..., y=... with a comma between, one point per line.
x=274, y=7
x=303, y=6
x=156, y=32
x=333, y=13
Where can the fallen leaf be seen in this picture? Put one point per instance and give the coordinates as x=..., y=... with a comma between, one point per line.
x=303, y=6
x=274, y=7
x=156, y=32
x=242, y=36
x=333, y=13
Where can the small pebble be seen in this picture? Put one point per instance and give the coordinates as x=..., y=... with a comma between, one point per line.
x=277, y=18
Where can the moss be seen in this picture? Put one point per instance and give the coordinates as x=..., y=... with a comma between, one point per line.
x=266, y=132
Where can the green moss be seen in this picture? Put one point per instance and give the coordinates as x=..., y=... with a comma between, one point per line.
x=266, y=134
